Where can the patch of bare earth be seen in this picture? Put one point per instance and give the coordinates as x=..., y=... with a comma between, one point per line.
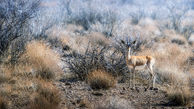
x=80, y=95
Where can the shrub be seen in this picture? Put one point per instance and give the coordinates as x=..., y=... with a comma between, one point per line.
x=43, y=59
x=46, y=97
x=4, y=77
x=99, y=79
x=179, y=96
x=111, y=59
x=14, y=18
x=178, y=41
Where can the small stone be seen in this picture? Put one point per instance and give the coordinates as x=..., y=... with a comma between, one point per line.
x=145, y=89
x=122, y=93
x=97, y=93
x=132, y=88
x=67, y=83
x=151, y=88
x=155, y=89
x=137, y=89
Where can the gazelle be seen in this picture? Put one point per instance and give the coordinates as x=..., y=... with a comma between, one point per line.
x=135, y=61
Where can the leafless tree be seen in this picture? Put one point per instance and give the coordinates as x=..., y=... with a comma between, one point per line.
x=14, y=17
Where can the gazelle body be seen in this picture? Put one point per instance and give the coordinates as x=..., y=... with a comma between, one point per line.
x=146, y=61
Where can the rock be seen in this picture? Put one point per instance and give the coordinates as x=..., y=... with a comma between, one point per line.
x=97, y=93
x=151, y=88
x=132, y=88
x=67, y=83
x=145, y=89
x=137, y=89
x=155, y=89
x=122, y=93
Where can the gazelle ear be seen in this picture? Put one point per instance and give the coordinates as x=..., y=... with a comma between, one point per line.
x=122, y=41
x=134, y=42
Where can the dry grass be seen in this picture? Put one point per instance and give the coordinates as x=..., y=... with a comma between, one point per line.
x=179, y=96
x=98, y=38
x=101, y=80
x=169, y=54
x=4, y=77
x=172, y=67
x=46, y=97
x=28, y=77
x=43, y=59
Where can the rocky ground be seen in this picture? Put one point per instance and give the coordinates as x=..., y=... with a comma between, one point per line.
x=79, y=95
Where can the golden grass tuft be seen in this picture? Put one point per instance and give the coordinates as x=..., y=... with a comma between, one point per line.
x=101, y=80
x=4, y=77
x=179, y=96
x=43, y=59
x=46, y=97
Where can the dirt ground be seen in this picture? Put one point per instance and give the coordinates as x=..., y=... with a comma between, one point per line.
x=79, y=95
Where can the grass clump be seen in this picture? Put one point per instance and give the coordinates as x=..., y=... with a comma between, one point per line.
x=43, y=59
x=99, y=79
x=179, y=96
x=46, y=97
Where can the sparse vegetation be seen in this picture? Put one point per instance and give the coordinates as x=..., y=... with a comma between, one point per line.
x=67, y=46
x=98, y=57
x=43, y=59
x=46, y=97
x=179, y=95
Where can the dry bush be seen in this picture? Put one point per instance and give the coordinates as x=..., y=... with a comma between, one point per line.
x=179, y=96
x=43, y=59
x=178, y=88
x=4, y=77
x=100, y=80
x=175, y=37
x=46, y=97
x=111, y=59
x=171, y=67
x=98, y=38
x=167, y=54
x=149, y=28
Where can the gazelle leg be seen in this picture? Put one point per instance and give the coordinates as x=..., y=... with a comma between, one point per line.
x=133, y=77
x=154, y=79
x=151, y=74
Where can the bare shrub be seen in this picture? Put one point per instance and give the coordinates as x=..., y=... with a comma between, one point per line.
x=43, y=59
x=98, y=38
x=178, y=41
x=110, y=59
x=100, y=80
x=46, y=97
x=14, y=17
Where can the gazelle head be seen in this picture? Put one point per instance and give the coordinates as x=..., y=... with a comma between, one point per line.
x=128, y=44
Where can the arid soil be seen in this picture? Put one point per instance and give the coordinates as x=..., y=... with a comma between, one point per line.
x=79, y=95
